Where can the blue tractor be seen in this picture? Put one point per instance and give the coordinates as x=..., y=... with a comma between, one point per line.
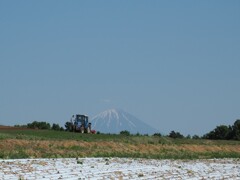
x=80, y=124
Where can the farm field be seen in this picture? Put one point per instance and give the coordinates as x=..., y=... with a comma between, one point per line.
x=48, y=154
x=119, y=168
x=27, y=143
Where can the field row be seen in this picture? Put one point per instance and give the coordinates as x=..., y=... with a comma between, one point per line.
x=26, y=143
x=19, y=148
x=119, y=168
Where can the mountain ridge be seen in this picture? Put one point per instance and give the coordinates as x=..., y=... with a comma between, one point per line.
x=116, y=120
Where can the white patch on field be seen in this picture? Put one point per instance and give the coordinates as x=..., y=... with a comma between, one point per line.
x=119, y=168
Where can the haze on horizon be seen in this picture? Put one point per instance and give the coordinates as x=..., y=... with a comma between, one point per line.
x=172, y=64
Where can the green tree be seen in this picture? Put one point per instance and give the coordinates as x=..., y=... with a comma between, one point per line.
x=20, y=126
x=125, y=133
x=220, y=132
x=55, y=127
x=44, y=125
x=32, y=125
x=195, y=137
x=174, y=135
x=38, y=125
x=157, y=134
x=188, y=136
x=236, y=130
x=68, y=126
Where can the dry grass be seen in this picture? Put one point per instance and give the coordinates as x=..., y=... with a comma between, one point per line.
x=39, y=144
x=211, y=148
x=72, y=148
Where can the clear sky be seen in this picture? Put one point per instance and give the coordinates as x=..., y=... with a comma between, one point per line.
x=173, y=64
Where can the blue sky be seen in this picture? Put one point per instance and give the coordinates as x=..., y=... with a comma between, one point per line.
x=173, y=64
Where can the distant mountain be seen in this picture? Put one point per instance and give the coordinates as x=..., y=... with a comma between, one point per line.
x=116, y=120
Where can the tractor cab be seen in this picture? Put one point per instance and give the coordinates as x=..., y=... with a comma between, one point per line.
x=81, y=124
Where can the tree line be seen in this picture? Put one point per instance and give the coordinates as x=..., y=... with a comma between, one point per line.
x=221, y=132
x=46, y=126
x=42, y=125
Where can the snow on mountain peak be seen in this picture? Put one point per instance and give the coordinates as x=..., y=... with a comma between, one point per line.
x=110, y=114
x=116, y=120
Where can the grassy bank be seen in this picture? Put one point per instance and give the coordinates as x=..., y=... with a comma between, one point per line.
x=56, y=144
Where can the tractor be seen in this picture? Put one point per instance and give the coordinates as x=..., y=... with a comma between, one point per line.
x=79, y=123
